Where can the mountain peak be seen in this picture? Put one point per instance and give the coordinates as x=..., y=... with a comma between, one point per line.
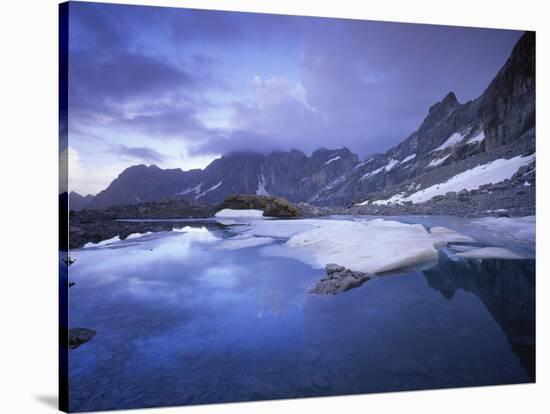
x=449, y=99
x=448, y=103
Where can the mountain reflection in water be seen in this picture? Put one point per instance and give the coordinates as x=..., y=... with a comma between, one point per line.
x=506, y=288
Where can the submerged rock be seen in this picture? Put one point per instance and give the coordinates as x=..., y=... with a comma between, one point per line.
x=79, y=336
x=339, y=279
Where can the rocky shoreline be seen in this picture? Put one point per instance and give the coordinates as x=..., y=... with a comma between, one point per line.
x=509, y=199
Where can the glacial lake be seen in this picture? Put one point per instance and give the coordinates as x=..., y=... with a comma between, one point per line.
x=180, y=321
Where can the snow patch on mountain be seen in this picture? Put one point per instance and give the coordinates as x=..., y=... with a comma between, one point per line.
x=261, y=186
x=364, y=161
x=386, y=168
x=438, y=161
x=408, y=158
x=195, y=190
x=478, y=138
x=451, y=141
x=491, y=173
x=332, y=160
x=215, y=186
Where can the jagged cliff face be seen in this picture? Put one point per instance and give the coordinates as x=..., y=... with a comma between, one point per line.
x=139, y=184
x=452, y=139
x=508, y=105
x=289, y=174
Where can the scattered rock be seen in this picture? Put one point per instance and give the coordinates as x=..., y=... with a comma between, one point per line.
x=79, y=336
x=339, y=279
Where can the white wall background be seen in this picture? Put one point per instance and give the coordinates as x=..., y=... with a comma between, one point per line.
x=28, y=202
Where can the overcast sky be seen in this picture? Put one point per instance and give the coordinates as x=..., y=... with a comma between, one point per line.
x=178, y=88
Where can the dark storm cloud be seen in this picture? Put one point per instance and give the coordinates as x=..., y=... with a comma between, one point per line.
x=113, y=82
x=325, y=82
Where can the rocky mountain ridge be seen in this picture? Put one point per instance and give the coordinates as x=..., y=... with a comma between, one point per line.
x=473, y=145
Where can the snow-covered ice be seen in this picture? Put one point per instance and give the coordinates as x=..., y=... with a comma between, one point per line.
x=137, y=235
x=103, y=242
x=490, y=253
x=229, y=212
x=519, y=228
x=373, y=246
x=445, y=236
x=244, y=241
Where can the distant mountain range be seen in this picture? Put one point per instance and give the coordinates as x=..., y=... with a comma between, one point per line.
x=452, y=139
x=79, y=202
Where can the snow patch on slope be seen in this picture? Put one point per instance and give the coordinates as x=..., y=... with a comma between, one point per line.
x=408, y=158
x=261, y=186
x=215, y=186
x=491, y=173
x=332, y=160
x=452, y=140
x=438, y=161
x=195, y=190
x=478, y=138
x=389, y=166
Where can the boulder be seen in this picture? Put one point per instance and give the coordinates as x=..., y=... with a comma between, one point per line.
x=339, y=279
x=79, y=336
x=271, y=206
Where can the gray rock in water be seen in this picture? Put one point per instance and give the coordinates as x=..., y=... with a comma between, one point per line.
x=79, y=336
x=339, y=279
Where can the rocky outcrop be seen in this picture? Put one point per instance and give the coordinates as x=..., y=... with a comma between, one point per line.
x=79, y=336
x=339, y=279
x=271, y=206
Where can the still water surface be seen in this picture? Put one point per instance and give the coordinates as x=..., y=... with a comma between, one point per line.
x=179, y=321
